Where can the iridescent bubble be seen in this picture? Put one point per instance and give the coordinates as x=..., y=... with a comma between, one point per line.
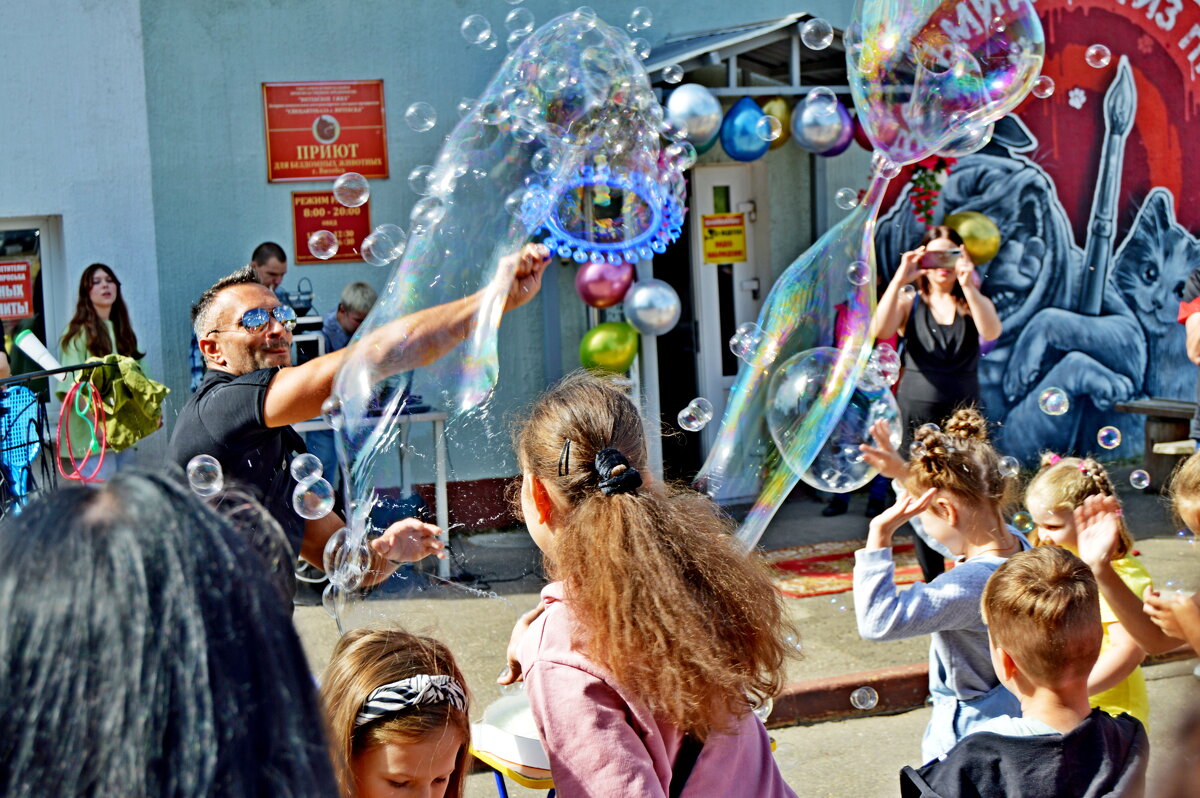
x=205, y=476
x=917, y=450
x=464, y=106
x=419, y=179
x=306, y=466
x=1023, y=522
x=351, y=189
x=822, y=101
x=846, y=198
x=998, y=25
x=519, y=20
x=641, y=48
x=696, y=415
x=908, y=291
x=680, y=156
x=1109, y=437
x=313, y=499
x=1139, y=479
x=858, y=273
x=864, y=698
x=768, y=128
x=884, y=166
x=1009, y=467
x=887, y=362
x=377, y=249
x=672, y=73
x=426, y=214
x=323, y=244
x=1043, y=87
x=816, y=33
x=331, y=412
x=1054, y=402
x=762, y=710
x=1097, y=56
x=745, y=341
x=475, y=29
x=640, y=19
x=420, y=116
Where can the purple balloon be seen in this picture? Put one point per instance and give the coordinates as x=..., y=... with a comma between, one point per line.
x=825, y=134
x=602, y=284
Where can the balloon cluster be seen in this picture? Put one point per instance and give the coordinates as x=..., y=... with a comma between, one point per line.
x=651, y=308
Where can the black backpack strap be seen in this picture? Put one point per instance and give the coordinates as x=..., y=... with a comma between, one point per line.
x=685, y=761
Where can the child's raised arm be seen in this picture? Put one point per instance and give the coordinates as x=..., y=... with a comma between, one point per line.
x=1178, y=615
x=1096, y=521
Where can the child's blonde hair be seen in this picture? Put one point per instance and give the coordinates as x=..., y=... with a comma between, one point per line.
x=1064, y=482
x=663, y=597
x=1185, y=491
x=1042, y=607
x=365, y=659
x=959, y=458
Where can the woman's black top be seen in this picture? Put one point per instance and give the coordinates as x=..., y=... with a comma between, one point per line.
x=941, y=361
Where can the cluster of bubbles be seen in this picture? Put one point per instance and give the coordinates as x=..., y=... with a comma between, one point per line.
x=864, y=698
x=312, y=498
x=1054, y=402
x=1108, y=437
x=204, y=475
x=1139, y=479
x=696, y=415
x=882, y=370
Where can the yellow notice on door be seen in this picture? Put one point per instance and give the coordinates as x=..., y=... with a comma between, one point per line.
x=724, y=237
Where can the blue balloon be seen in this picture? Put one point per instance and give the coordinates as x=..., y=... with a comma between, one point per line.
x=828, y=133
x=739, y=133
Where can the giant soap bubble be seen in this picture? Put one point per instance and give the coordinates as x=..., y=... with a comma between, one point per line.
x=563, y=147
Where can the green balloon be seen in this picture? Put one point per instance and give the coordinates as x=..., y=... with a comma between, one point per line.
x=610, y=346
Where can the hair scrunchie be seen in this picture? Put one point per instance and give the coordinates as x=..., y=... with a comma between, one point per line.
x=420, y=689
x=616, y=475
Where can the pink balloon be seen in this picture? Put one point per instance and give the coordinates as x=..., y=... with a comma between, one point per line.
x=603, y=284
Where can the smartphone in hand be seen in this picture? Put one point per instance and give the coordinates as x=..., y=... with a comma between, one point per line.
x=939, y=259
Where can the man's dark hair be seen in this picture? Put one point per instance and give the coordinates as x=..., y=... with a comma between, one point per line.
x=145, y=653
x=267, y=250
x=201, y=310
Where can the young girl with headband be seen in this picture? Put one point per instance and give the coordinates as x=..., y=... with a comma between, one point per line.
x=658, y=634
x=396, y=713
x=1062, y=485
x=953, y=481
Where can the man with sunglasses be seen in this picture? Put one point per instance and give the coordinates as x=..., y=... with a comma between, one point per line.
x=251, y=395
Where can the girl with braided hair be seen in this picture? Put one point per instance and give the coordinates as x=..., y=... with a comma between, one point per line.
x=1062, y=485
x=659, y=634
x=952, y=480
x=396, y=714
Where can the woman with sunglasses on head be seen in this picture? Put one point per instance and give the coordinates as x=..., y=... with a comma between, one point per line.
x=100, y=327
x=941, y=324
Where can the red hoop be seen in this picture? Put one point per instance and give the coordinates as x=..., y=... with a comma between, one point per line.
x=98, y=420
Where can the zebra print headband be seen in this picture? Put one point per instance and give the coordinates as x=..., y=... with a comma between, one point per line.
x=420, y=689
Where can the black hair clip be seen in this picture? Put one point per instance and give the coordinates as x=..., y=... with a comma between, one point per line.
x=564, y=459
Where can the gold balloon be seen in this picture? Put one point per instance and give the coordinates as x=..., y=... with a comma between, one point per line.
x=780, y=109
x=610, y=346
x=980, y=235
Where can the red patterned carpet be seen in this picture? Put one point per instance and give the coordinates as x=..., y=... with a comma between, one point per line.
x=817, y=569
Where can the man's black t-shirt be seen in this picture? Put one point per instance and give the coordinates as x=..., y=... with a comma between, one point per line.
x=224, y=418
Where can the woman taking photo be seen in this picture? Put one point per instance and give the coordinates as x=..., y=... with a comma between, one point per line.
x=940, y=324
x=100, y=327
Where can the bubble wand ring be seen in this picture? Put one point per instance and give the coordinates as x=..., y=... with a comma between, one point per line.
x=96, y=422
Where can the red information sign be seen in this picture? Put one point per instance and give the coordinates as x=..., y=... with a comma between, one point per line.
x=321, y=129
x=16, y=290
x=318, y=210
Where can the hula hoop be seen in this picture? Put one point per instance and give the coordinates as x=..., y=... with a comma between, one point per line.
x=95, y=423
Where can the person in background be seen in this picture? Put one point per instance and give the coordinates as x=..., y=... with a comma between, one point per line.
x=339, y=326
x=269, y=262
x=5, y=366
x=167, y=667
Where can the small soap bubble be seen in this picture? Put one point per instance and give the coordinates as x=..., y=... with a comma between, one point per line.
x=640, y=19
x=1139, y=479
x=464, y=106
x=793, y=642
x=515, y=38
x=323, y=244
x=816, y=33
x=846, y=198
x=377, y=249
x=822, y=101
x=917, y=450
x=331, y=411
x=908, y=291
x=1009, y=467
x=204, y=475
x=768, y=128
x=351, y=189
x=998, y=25
x=696, y=415
x=672, y=73
x=787, y=757
x=641, y=48
x=426, y=213
x=1023, y=522
x=887, y=363
x=519, y=20
x=475, y=29
x=859, y=273
x=1097, y=56
x=929, y=428
x=554, y=77
x=313, y=499
x=420, y=116
x=419, y=179
x=306, y=467
x=1054, y=402
x=745, y=341
x=1109, y=437
x=1043, y=87
x=864, y=698
x=762, y=710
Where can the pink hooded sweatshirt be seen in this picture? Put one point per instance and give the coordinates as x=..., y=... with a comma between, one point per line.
x=605, y=743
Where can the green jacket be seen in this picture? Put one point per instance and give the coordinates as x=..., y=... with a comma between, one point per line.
x=133, y=403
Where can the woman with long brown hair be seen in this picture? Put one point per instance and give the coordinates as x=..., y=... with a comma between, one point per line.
x=941, y=324
x=396, y=714
x=659, y=634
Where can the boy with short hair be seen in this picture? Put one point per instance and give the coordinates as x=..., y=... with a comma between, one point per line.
x=1043, y=614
